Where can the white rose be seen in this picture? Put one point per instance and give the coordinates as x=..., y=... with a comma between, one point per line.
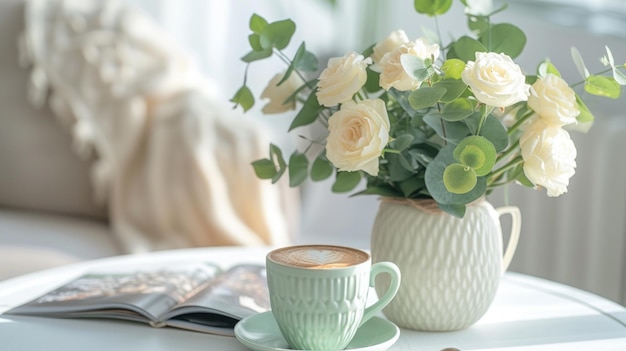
x=549, y=156
x=341, y=79
x=358, y=133
x=553, y=100
x=392, y=73
x=394, y=40
x=278, y=94
x=495, y=79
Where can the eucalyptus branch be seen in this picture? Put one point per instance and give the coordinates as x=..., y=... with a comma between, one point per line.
x=498, y=172
x=508, y=151
x=288, y=62
x=595, y=74
x=519, y=122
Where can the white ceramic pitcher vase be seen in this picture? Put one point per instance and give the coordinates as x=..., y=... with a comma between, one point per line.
x=451, y=267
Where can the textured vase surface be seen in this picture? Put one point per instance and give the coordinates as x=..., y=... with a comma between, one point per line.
x=451, y=267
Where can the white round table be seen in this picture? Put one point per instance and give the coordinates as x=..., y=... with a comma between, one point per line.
x=527, y=314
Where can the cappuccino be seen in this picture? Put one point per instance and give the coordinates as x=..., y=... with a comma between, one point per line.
x=318, y=256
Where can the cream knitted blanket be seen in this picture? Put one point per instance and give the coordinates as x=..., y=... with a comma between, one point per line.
x=171, y=162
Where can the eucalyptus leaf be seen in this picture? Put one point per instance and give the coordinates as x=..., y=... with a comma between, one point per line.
x=504, y=38
x=453, y=68
x=457, y=110
x=436, y=187
x=264, y=169
x=411, y=186
x=546, y=67
x=402, y=142
x=276, y=155
x=257, y=23
x=346, y=181
x=309, y=112
x=579, y=62
x=298, y=168
x=495, y=132
x=465, y=48
x=432, y=7
x=244, y=98
x=454, y=89
x=585, y=115
x=321, y=169
x=256, y=55
x=277, y=34
x=426, y=96
x=602, y=86
x=255, y=42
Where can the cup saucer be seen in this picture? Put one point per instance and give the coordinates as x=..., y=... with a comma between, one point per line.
x=260, y=332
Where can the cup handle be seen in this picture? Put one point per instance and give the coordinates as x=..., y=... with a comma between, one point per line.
x=516, y=226
x=394, y=273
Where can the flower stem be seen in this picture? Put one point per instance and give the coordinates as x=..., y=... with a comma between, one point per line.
x=519, y=122
x=497, y=173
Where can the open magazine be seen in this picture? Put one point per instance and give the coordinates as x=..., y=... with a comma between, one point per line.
x=197, y=297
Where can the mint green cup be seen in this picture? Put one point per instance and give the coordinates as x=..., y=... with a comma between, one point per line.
x=318, y=293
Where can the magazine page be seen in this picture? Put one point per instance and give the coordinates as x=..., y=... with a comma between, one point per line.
x=140, y=295
x=237, y=293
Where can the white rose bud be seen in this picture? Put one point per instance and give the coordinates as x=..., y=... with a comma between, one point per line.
x=495, y=79
x=278, y=94
x=341, y=79
x=553, y=100
x=549, y=156
x=358, y=133
x=392, y=74
x=394, y=40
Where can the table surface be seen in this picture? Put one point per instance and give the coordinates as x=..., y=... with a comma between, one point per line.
x=527, y=314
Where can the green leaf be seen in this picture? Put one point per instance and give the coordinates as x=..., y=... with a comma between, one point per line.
x=309, y=112
x=455, y=210
x=399, y=168
x=277, y=34
x=504, y=38
x=465, y=48
x=426, y=96
x=602, y=86
x=453, y=68
x=257, y=55
x=402, y=142
x=585, y=115
x=255, y=42
x=411, y=186
x=271, y=168
x=454, y=131
x=257, y=23
x=432, y=7
x=495, y=132
x=321, y=169
x=372, y=84
x=476, y=152
x=379, y=190
x=436, y=187
x=619, y=77
x=346, y=181
x=457, y=110
x=276, y=155
x=459, y=179
x=579, y=62
x=454, y=89
x=298, y=168
x=546, y=67
x=414, y=66
x=264, y=168
x=244, y=98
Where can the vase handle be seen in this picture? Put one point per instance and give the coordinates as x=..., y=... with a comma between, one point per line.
x=516, y=226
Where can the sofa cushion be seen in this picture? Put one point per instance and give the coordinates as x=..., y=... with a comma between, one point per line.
x=38, y=169
x=31, y=241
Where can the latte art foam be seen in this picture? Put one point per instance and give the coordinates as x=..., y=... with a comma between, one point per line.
x=318, y=256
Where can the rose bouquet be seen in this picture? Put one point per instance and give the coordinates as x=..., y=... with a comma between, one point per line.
x=426, y=119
